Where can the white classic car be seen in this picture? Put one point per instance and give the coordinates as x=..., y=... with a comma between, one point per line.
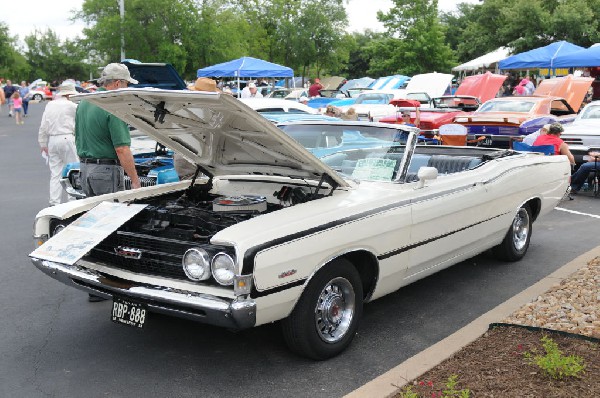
x=583, y=135
x=267, y=232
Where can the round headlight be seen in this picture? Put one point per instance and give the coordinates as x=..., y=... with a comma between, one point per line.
x=223, y=269
x=58, y=228
x=196, y=264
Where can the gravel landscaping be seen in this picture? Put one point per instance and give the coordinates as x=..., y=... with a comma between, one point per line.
x=496, y=364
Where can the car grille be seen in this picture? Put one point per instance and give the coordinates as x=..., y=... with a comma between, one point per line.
x=159, y=256
x=144, y=182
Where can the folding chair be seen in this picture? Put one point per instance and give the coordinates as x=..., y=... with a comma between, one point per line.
x=522, y=147
x=453, y=134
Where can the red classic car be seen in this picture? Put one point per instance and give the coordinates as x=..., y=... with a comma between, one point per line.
x=470, y=94
x=500, y=119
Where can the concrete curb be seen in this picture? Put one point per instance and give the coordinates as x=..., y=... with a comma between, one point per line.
x=389, y=383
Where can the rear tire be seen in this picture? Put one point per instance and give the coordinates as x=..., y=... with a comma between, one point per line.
x=516, y=242
x=326, y=317
x=37, y=97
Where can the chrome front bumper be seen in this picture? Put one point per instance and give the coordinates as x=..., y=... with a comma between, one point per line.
x=233, y=314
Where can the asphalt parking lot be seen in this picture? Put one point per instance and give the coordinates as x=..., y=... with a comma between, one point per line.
x=53, y=343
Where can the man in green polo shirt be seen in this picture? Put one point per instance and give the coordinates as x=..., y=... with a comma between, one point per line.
x=103, y=140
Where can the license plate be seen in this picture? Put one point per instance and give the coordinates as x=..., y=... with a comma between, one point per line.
x=129, y=313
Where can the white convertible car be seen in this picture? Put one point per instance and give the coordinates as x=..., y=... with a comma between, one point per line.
x=267, y=232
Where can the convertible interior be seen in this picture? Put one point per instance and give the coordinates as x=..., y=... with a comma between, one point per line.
x=387, y=160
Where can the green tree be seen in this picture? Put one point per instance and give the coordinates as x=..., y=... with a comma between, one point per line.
x=416, y=37
x=51, y=59
x=12, y=64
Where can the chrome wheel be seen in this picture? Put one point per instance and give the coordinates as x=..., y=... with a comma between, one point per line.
x=335, y=310
x=520, y=229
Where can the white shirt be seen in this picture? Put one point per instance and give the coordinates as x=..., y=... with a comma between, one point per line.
x=529, y=139
x=58, y=119
x=247, y=94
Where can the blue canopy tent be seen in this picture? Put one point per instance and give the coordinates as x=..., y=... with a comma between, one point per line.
x=542, y=57
x=246, y=67
x=586, y=57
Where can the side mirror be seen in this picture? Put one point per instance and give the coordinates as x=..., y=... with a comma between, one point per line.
x=426, y=173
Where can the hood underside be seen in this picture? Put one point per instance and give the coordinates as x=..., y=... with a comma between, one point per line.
x=485, y=86
x=571, y=88
x=214, y=131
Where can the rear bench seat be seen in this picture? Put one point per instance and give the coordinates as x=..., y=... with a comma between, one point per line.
x=445, y=164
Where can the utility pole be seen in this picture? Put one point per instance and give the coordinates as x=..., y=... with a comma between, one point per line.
x=122, y=12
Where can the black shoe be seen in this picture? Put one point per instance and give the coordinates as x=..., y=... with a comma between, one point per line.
x=95, y=299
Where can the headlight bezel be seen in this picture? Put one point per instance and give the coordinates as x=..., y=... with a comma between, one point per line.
x=204, y=256
x=230, y=268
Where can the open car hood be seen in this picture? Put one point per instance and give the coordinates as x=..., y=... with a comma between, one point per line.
x=485, y=86
x=215, y=131
x=434, y=84
x=571, y=88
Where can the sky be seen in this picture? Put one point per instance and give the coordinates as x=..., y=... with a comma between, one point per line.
x=23, y=17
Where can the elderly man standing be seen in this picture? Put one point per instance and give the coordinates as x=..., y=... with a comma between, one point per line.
x=103, y=140
x=56, y=138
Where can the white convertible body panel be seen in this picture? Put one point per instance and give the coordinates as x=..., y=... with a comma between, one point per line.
x=367, y=216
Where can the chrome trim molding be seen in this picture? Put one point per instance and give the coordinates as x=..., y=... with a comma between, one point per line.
x=212, y=310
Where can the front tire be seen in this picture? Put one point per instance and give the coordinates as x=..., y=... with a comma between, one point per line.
x=326, y=317
x=516, y=242
x=37, y=97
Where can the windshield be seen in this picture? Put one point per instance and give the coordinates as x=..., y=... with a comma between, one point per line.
x=507, y=106
x=378, y=99
x=368, y=164
x=590, y=112
x=455, y=102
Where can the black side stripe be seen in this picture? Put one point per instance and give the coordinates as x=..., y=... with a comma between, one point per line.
x=248, y=263
x=255, y=293
x=427, y=241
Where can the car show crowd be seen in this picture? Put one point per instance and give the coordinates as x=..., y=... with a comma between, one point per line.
x=338, y=100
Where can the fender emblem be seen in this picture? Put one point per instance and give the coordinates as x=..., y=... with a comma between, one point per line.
x=287, y=273
x=128, y=252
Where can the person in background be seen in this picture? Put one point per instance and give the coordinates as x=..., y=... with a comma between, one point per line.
x=529, y=139
x=406, y=118
x=520, y=88
x=529, y=86
x=303, y=100
x=315, y=88
x=9, y=89
x=553, y=138
x=330, y=110
x=580, y=176
x=24, y=91
x=57, y=138
x=252, y=91
x=350, y=114
x=17, y=104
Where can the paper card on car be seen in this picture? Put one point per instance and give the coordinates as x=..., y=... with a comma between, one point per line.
x=79, y=237
x=376, y=169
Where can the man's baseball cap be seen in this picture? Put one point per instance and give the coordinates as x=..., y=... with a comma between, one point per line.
x=116, y=72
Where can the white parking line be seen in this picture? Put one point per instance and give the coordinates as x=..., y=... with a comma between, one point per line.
x=577, y=212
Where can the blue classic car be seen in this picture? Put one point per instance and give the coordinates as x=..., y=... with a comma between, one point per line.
x=153, y=163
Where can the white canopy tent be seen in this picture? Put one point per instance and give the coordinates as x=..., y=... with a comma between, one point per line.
x=487, y=61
